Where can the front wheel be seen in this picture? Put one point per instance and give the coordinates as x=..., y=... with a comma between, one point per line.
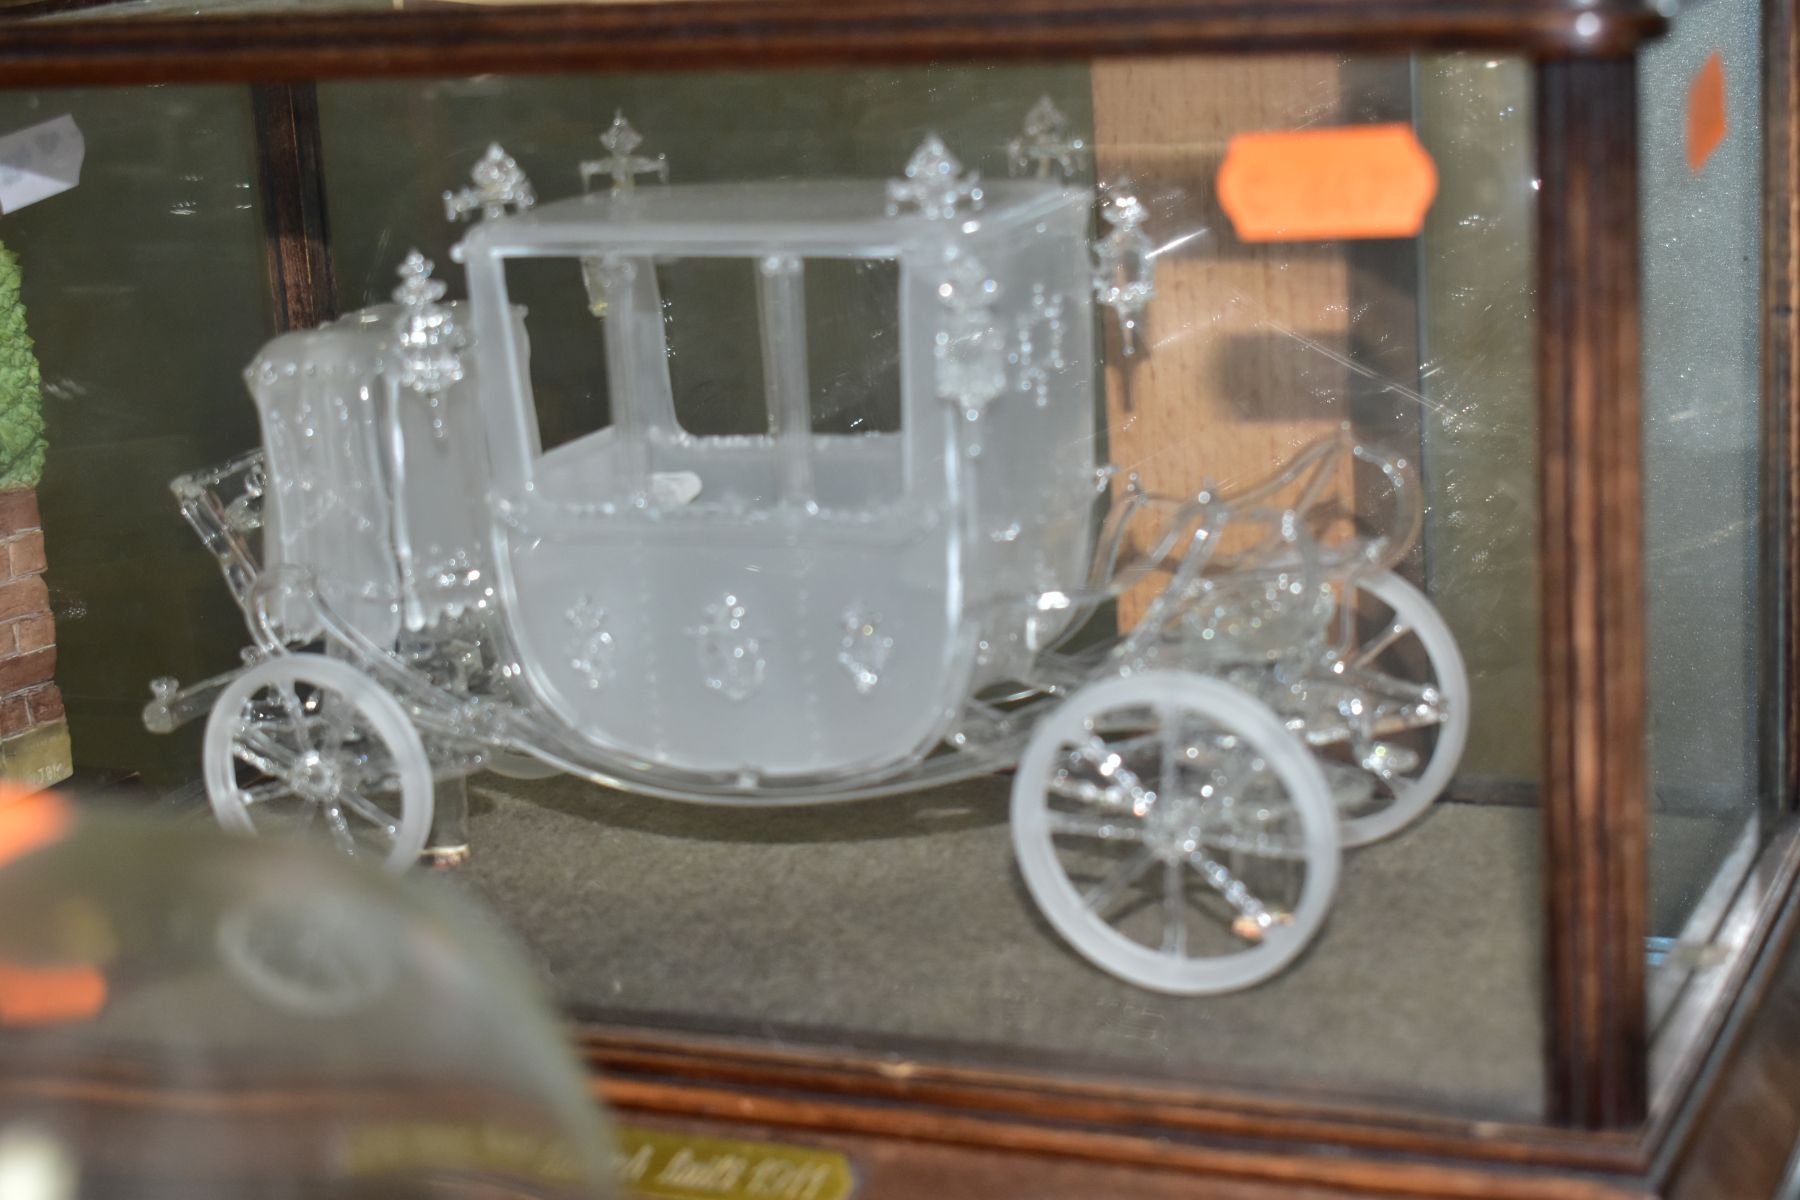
x=302, y=743
x=1175, y=833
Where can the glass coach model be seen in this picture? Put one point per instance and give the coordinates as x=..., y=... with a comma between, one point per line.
x=814, y=613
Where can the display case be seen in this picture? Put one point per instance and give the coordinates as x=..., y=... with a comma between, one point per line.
x=1069, y=599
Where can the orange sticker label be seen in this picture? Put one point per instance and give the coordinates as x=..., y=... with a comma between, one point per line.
x=1706, y=112
x=1358, y=181
x=50, y=995
x=29, y=820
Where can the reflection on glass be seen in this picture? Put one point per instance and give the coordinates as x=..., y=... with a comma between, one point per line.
x=1476, y=380
x=1702, y=263
x=146, y=293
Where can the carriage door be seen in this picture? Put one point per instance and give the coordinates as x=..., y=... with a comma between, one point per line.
x=784, y=373
x=808, y=570
x=724, y=565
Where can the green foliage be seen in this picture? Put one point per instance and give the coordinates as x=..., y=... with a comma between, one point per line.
x=21, y=387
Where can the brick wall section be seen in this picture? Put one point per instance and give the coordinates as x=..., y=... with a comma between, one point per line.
x=27, y=634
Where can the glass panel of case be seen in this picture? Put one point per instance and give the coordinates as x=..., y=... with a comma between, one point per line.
x=140, y=290
x=1714, y=718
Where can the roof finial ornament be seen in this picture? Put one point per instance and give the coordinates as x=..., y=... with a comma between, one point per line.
x=1046, y=144
x=935, y=183
x=620, y=139
x=969, y=346
x=499, y=185
x=427, y=338
x=1125, y=260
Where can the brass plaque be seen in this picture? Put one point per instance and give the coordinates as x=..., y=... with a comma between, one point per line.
x=673, y=1166
x=456, y=1147
x=648, y=1162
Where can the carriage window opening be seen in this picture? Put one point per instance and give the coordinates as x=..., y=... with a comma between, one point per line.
x=710, y=324
x=566, y=346
x=853, y=344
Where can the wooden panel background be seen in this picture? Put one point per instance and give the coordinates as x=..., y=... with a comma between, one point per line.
x=1219, y=394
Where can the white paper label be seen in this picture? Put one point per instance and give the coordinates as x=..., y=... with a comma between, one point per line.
x=39, y=162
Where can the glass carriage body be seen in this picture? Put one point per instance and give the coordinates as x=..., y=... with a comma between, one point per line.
x=820, y=609
x=847, y=577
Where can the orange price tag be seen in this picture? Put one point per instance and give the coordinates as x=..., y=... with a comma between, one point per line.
x=34, y=995
x=1357, y=181
x=50, y=995
x=29, y=820
x=1706, y=112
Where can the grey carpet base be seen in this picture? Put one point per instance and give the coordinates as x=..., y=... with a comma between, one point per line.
x=901, y=926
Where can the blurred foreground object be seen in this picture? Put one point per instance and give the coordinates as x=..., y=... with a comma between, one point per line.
x=185, y=1014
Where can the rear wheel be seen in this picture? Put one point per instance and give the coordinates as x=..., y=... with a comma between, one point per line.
x=1175, y=833
x=306, y=745
x=1397, y=685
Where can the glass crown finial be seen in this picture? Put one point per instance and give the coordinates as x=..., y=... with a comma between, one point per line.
x=1125, y=260
x=620, y=163
x=498, y=185
x=427, y=338
x=934, y=183
x=1046, y=144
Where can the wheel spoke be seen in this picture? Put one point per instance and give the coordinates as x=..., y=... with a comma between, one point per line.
x=1168, y=723
x=1235, y=891
x=1218, y=744
x=296, y=713
x=251, y=758
x=1174, y=911
x=369, y=811
x=1388, y=638
x=1388, y=689
x=1120, y=787
x=1110, y=763
x=1374, y=757
x=1106, y=829
x=339, y=829
x=386, y=782
x=1125, y=747
x=265, y=793
x=1346, y=619
x=1261, y=845
x=1103, y=895
x=1085, y=791
x=337, y=728
x=254, y=746
x=1383, y=723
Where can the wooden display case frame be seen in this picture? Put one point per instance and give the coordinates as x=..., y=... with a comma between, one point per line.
x=1706, y=1107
